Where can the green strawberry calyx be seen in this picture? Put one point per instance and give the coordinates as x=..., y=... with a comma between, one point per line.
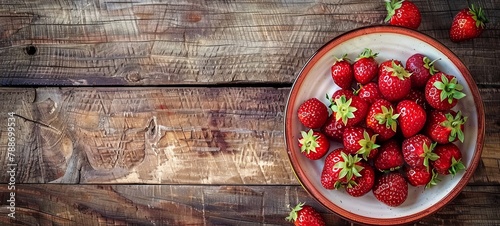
x=349, y=168
x=367, y=145
x=478, y=16
x=308, y=141
x=292, y=217
x=342, y=109
x=450, y=89
x=434, y=179
x=456, y=166
x=398, y=71
x=343, y=58
x=429, y=65
x=454, y=124
x=388, y=118
x=428, y=154
x=367, y=53
x=391, y=6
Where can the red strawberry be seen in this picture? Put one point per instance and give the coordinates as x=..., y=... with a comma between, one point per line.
x=391, y=189
x=334, y=129
x=445, y=126
x=342, y=72
x=346, y=169
x=313, y=144
x=468, y=24
x=313, y=113
x=365, y=68
x=382, y=119
x=305, y=215
x=421, y=69
x=351, y=111
x=403, y=13
x=419, y=97
x=394, y=81
x=419, y=176
x=362, y=184
x=340, y=92
x=412, y=117
x=443, y=91
x=418, y=150
x=329, y=175
x=389, y=157
x=369, y=92
x=358, y=140
x=450, y=159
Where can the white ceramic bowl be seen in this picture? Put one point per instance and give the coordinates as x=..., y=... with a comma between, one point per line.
x=314, y=80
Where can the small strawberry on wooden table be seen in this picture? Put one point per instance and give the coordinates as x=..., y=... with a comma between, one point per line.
x=468, y=24
x=403, y=13
x=305, y=215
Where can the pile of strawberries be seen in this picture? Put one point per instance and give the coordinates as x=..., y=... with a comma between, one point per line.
x=396, y=123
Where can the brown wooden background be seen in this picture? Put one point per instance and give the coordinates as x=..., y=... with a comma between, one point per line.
x=170, y=112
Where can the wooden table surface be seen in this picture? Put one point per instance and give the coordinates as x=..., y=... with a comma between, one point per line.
x=171, y=112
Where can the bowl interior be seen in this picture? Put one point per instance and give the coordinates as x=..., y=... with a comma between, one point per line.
x=315, y=81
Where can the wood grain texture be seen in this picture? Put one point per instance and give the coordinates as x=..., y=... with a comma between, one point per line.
x=167, y=136
x=104, y=42
x=204, y=205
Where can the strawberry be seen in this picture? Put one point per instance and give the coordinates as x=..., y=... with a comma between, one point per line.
x=391, y=189
x=412, y=117
x=313, y=144
x=351, y=111
x=445, y=126
x=334, y=129
x=418, y=96
x=305, y=215
x=340, y=92
x=369, y=92
x=329, y=175
x=312, y=113
x=419, y=176
x=342, y=72
x=389, y=157
x=394, y=81
x=468, y=24
x=450, y=159
x=443, y=91
x=403, y=13
x=346, y=169
x=362, y=184
x=382, y=119
x=358, y=140
x=418, y=150
x=421, y=69
x=365, y=67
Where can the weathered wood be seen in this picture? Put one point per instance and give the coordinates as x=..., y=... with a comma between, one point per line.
x=203, y=205
x=104, y=42
x=166, y=135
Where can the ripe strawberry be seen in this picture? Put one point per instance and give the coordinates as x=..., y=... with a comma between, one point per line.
x=351, y=111
x=394, y=81
x=445, y=126
x=421, y=69
x=468, y=24
x=346, y=169
x=334, y=129
x=305, y=215
x=329, y=175
x=314, y=144
x=342, y=72
x=418, y=96
x=418, y=150
x=340, y=92
x=419, y=176
x=362, y=184
x=365, y=68
x=403, y=13
x=313, y=113
x=358, y=140
x=382, y=119
x=450, y=159
x=412, y=117
x=389, y=157
x=391, y=189
x=369, y=92
x=443, y=91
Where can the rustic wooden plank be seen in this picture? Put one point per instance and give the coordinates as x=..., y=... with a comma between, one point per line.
x=166, y=135
x=104, y=42
x=203, y=205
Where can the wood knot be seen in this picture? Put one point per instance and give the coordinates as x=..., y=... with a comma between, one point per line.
x=193, y=17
